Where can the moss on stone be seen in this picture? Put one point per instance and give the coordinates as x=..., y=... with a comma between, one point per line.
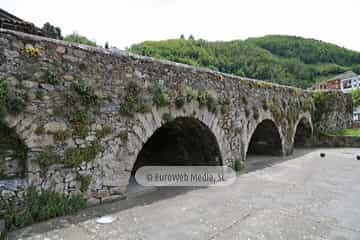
x=60, y=136
x=86, y=93
x=208, y=99
x=124, y=136
x=134, y=101
x=74, y=157
x=47, y=158
x=105, y=131
x=80, y=130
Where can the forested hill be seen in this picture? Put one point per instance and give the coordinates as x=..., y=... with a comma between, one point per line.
x=283, y=59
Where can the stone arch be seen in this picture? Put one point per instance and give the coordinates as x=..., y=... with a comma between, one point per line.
x=266, y=139
x=303, y=130
x=178, y=142
x=119, y=159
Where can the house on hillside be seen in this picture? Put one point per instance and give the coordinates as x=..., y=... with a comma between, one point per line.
x=345, y=82
x=11, y=22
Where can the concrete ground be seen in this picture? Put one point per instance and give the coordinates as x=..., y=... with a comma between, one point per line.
x=301, y=197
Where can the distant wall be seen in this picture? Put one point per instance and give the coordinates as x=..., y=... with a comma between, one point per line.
x=333, y=111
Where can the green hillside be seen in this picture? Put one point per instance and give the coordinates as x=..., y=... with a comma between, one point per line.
x=283, y=59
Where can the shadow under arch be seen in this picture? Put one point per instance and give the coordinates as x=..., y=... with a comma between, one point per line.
x=184, y=141
x=13, y=154
x=303, y=133
x=265, y=140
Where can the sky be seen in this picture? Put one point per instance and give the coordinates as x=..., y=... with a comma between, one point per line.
x=125, y=22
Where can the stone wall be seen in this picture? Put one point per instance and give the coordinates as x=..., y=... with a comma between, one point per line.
x=89, y=111
x=333, y=111
x=337, y=141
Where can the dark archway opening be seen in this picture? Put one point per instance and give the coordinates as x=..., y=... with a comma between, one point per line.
x=303, y=134
x=265, y=140
x=13, y=154
x=184, y=141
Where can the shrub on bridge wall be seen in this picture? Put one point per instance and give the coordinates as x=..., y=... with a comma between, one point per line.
x=103, y=132
x=134, y=101
x=208, y=99
x=39, y=206
x=9, y=101
x=47, y=158
x=74, y=157
x=86, y=92
x=84, y=181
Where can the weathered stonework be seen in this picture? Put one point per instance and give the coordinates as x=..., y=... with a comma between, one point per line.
x=73, y=93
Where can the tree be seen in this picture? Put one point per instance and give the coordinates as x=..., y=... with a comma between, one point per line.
x=106, y=45
x=77, y=38
x=356, y=97
x=191, y=37
x=52, y=31
x=182, y=36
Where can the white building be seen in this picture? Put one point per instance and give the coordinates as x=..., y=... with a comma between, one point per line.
x=347, y=85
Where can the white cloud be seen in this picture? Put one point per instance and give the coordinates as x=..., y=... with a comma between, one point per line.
x=123, y=22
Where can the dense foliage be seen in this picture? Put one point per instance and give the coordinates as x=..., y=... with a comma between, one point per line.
x=356, y=97
x=52, y=31
x=77, y=38
x=283, y=59
x=40, y=206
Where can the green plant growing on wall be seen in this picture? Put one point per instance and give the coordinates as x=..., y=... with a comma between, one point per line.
x=224, y=103
x=60, y=136
x=39, y=94
x=86, y=92
x=185, y=95
x=80, y=130
x=40, y=206
x=103, y=132
x=84, y=181
x=124, y=136
x=209, y=99
x=74, y=157
x=47, y=158
x=134, y=101
x=161, y=96
x=9, y=102
x=51, y=77
x=80, y=121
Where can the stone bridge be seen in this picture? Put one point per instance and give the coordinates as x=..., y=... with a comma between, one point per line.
x=79, y=119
